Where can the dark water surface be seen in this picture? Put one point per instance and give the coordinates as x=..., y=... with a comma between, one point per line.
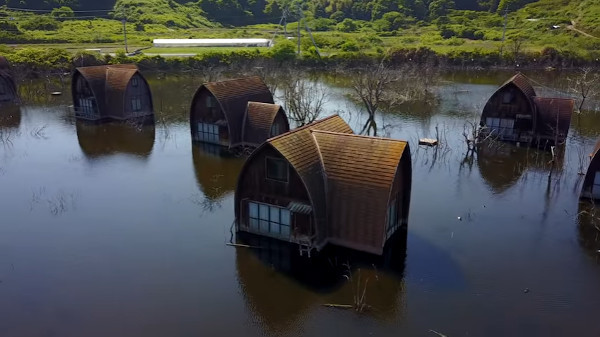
x=117, y=230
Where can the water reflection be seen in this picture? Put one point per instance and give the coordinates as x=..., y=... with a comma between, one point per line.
x=216, y=170
x=280, y=287
x=10, y=116
x=588, y=225
x=97, y=140
x=502, y=165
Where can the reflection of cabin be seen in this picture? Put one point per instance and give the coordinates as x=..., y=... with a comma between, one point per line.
x=515, y=113
x=8, y=88
x=115, y=138
x=216, y=174
x=501, y=165
x=237, y=112
x=322, y=184
x=10, y=116
x=113, y=92
x=591, y=182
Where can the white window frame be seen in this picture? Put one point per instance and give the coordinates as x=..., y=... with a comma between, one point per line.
x=134, y=82
x=136, y=104
x=269, y=220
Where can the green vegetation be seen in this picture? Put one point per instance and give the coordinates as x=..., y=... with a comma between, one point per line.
x=465, y=30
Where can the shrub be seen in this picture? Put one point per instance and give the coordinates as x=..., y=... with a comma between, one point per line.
x=41, y=22
x=62, y=12
x=337, y=16
x=350, y=45
x=321, y=24
x=348, y=25
x=284, y=50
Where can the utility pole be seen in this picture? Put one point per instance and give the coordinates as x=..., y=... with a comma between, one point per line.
x=298, y=33
x=125, y=34
x=504, y=30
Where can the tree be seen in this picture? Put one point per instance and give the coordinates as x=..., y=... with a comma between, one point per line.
x=62, y=12
x=439, y=8
x=348, y=25
x=586, y=84
x=304, y=100
x=370, y=86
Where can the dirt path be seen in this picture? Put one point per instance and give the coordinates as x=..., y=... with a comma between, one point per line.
x=572, y=27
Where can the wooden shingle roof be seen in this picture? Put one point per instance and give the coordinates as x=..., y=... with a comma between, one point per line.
x=300, y=149
x=233, y=97
x=359, y=173
x=521, y=82
x=258, y=121
x=108, y=83
x=554, y=114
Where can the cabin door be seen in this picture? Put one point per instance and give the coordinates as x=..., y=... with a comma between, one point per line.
x=596, y=186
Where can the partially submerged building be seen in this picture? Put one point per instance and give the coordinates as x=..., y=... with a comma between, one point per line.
x=322, y=184
x=515, y=113
x=111, y=92
x=8, y=88
x=234, y=113
x=591, y=182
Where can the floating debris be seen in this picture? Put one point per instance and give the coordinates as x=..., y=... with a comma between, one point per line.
x=56, y=93
x=428, y=141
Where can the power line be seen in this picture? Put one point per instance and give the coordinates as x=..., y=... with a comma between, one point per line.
x=50, y=10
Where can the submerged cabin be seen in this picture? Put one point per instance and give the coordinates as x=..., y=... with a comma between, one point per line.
x=591, y=182
x=111, y=92
x=238, y=112
x=322, y=184
x=515, y=113
x=8, y=88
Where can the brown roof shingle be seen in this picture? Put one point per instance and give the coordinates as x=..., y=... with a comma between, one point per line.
x=234, y=95
x=552, y=111
x=258, y=121
x=360, y=173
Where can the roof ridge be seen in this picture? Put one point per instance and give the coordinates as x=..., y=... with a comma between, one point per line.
x=235, y=79
x=304, y=127
x=359, y=136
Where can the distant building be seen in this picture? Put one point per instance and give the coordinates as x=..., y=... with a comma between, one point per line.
x=8, y=88
x=322, y=184
x=111, y=92
x=515, y=113
x=591, y=182
x=238, y=112
x=168, y=43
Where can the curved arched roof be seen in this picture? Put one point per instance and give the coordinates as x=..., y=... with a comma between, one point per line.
x=522, y=83
x=348, y=177
x=108, y=84
x=258, y=121
x=233, y=97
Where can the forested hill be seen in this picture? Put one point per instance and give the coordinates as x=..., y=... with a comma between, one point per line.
x=399, y=13
x=260, y=9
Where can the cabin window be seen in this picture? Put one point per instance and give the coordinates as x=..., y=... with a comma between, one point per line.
x=507, y=97
x=134, y=82
x=503, y=127
x=392, y=217
x=136, y=104
x=210, y=102
x=275, y=129
x=596, y=186
x=269, y=220
x=277, y=169
x=86, y=106
x=208, y=133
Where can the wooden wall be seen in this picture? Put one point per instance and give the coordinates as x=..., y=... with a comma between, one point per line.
x=201, y=113
x=254, y=185
x=141, y=91
x=519, y=105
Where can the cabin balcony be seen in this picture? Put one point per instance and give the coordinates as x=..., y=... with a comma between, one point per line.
x=291, y=223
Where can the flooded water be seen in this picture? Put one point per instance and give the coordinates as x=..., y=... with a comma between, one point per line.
x=121, y=230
